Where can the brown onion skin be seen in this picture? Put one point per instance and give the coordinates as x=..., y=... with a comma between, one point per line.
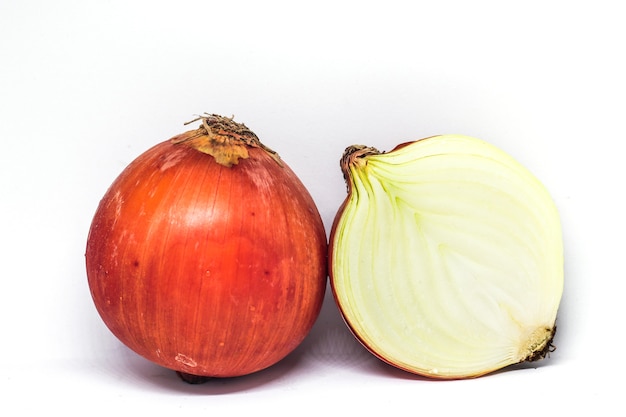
x=205, y=269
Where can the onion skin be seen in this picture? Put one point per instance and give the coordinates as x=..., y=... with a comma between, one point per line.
x=209, y=269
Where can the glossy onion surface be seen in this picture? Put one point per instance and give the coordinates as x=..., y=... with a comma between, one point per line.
x=206, y=269
x=446, y=257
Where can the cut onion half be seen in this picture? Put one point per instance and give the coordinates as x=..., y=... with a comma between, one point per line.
x=447, y=257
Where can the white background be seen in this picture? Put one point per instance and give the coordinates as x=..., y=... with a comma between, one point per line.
x=86, y=86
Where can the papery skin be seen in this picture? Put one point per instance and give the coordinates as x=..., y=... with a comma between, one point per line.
x=207, y=269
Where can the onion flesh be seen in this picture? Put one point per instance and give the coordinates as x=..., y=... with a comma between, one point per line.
x=446, y=257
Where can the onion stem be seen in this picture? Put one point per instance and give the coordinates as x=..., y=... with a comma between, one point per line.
x=223, y=138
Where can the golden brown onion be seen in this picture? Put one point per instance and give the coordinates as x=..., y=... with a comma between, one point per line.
x=207, y=255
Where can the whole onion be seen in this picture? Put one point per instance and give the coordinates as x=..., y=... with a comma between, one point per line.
x=207, y=255
x=447, y=257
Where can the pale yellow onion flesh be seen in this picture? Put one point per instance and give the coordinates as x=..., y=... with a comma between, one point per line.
x=447, y=258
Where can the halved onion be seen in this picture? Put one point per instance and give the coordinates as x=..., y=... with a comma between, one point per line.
x=446, y=257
